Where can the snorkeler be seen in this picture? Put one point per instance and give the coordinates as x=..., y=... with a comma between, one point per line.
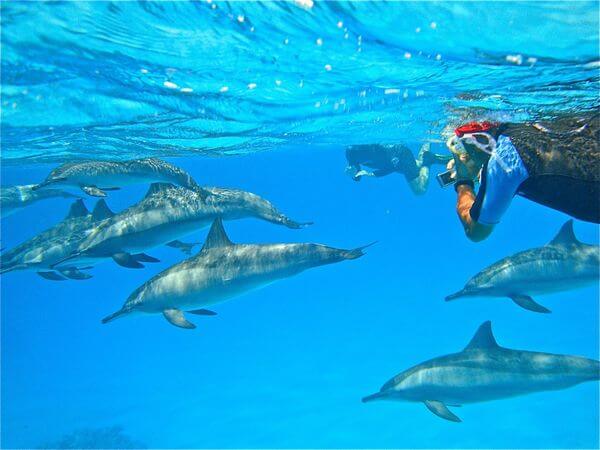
x=387, y=159
x=556, y=164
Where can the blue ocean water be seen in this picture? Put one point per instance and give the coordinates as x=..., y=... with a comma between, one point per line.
x=265, y=97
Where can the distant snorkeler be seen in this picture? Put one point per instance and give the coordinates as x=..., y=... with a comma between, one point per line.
x=556, y=164
x=387, y=159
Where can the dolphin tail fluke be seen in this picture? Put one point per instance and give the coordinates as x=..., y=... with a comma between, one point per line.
x=114, y=316
x=357, y=252
x=372, y=397
x=526, y=302
x=456, y=295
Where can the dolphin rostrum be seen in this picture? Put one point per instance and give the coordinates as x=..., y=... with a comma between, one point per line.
x=563, y=264
x=13, y=198
x=485, y=371
x=95, y=177
x=41, y=252
x=223, y=270
x=166, y=214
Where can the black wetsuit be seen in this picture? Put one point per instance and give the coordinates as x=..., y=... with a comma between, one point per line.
x=383, y=159
x=562, y=159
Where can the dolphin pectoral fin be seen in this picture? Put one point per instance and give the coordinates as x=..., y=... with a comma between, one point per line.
x=203, y=312
x=51, y=276
x=143, y=257
x=93, y=191
x=175, y=317
x=126, y=260
x=185, y=247
x=441, y=410
x=525, y=301
x=75, y=274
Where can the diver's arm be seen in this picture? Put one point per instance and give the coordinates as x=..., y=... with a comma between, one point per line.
x=466, y=198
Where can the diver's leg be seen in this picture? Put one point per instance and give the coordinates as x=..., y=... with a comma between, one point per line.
x=420, y=183
x=425, y=159
x=428, y=158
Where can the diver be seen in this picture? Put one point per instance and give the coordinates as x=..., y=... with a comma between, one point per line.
x=387, y=159
x=556, y=164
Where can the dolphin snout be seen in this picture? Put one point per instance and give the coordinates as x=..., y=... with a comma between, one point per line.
x=292, y=223
x=370, y=398
x=459, y=294
x=41, y=185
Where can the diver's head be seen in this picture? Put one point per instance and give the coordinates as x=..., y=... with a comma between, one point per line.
x=474, y=140
x=477, y=139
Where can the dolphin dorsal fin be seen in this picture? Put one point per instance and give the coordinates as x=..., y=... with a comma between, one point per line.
x=157, y=187
x=77, y=209
x=565, y=235
x=216, y=236
x=102, y=211
x=484, y=338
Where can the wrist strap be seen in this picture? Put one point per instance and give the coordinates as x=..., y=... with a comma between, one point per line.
x=464, y=183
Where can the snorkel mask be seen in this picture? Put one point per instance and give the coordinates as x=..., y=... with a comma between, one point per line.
x=473, y=134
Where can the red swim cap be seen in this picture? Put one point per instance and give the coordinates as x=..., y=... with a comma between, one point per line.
x=474, y=127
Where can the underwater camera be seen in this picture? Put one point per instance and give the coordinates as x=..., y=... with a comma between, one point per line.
x=446, y=178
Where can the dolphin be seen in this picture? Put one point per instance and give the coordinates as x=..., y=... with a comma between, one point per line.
x=223, y=270
x=563, y=264
x=41, y=252
x=96, y=177
x=485, y=371
x=14, y=198
x=166, y=214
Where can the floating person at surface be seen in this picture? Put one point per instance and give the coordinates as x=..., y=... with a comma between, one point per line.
x=484, y=371
x=168, y=213
x=14, y=198
x=223, y=270
x=556, y=164
x=388, y=159
x=563, y=264
x=96, y=177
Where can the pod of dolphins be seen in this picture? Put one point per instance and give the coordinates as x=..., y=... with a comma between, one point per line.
x=175, y=206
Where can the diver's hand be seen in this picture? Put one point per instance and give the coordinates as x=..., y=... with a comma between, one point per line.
x=465, y=168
